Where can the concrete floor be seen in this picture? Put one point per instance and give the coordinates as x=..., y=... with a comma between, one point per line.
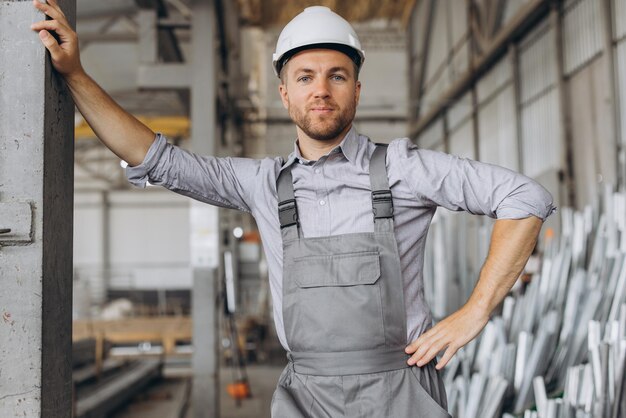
x=165, y=398
x=262, y=384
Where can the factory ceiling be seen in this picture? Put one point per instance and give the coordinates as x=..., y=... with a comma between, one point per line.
x=276, y=13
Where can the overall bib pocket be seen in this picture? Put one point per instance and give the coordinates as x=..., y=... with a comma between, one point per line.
x=335, y=304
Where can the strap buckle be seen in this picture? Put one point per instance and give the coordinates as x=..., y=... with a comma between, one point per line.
x=287, y=213
x=382, y=204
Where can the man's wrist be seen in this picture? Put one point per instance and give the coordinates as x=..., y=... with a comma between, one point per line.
x=75, y=77
x=479, y=309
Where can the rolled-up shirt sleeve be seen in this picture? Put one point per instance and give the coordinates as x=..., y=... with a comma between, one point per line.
x=225, y=182
x=479, y=188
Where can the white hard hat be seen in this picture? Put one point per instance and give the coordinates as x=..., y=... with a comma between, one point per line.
x=317, y=26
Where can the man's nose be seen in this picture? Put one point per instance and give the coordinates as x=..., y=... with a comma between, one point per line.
x=322, y=89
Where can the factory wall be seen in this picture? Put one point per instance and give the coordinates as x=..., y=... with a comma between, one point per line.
x=528, y=129
x=546, y=108
x=135, y=239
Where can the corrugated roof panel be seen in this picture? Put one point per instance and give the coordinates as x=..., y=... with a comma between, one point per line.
x=458, y=19
x=511, y=8
x=432, y=136
x=621, y=85
x=462, y=140
x=497, y=130
x=582, y=33
x=541, y=135
x=439, y=46
x=619, y=12
x=457, y=16
x=460, y=61
x=415, y=32
x=460, y=110
x=434, y=91
x=537, y=63
x=496, y=78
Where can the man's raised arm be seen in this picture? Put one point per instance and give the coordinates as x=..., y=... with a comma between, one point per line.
x=120, y=131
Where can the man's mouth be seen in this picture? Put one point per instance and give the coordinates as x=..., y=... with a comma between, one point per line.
x=322, y=109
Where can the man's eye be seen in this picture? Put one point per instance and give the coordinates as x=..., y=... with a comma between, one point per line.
x=338, y=77
x=304, y=79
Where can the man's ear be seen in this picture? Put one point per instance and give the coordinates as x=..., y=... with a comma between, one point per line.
x=284, y=96
x=357, y=92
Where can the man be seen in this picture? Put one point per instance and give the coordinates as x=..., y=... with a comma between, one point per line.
x=343, y=223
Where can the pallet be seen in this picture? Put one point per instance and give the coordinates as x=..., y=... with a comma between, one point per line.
x=166, y=331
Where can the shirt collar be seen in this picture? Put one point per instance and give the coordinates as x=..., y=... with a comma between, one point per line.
x=348, y=146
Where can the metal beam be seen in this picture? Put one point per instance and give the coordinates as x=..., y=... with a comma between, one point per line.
x=517, y=94
x=446, y=135
x=474, y=96
x=97, y=37
x=496, y=13
x=407, y=12
x=116, y=391
x=36, y=174
x=567, y=158
x=99, y=9
x=611, y=73
x=527, y=17
x=169, y=49
x=173, y=24
x=168, y=43
x=478, y=14
x=102, y=30
x=430, y=9
x=148, y=46
x=234, y=87
x=222, y=35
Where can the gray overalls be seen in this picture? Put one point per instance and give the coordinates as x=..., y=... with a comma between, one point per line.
x=345, y=320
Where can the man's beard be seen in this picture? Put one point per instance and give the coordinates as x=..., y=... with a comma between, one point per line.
x=324, y=128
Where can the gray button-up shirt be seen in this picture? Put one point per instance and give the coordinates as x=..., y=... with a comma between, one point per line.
x=333, y=197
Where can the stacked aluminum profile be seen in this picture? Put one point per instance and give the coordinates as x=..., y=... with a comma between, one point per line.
x=562, y=337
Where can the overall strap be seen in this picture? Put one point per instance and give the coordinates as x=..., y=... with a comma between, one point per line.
x=287, y=209
x=382, y=204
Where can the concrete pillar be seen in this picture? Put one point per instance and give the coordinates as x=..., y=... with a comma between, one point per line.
x=204, y=218
x=36, y=205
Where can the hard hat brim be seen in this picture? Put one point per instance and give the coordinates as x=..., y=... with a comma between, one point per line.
x=354, y=54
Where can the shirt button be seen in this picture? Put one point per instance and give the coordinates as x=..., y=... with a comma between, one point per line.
x=322, y=202
x=317, y=170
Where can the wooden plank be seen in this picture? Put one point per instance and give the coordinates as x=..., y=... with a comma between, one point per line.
x=136, y=329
